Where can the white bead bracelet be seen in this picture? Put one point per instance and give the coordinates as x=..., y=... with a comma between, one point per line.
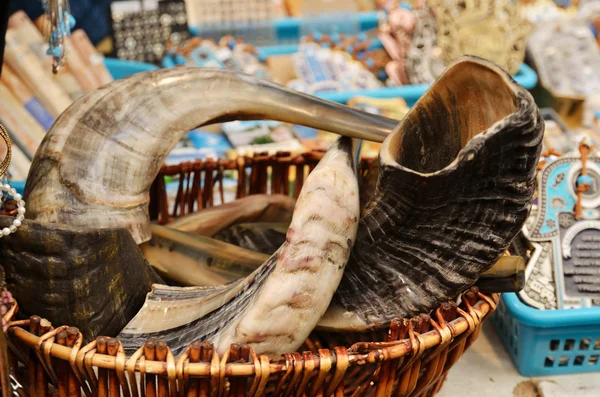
x=20, y=210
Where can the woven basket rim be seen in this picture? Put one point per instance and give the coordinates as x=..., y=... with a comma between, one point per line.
x=441, y=335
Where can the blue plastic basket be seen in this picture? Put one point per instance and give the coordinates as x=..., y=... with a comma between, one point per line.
x=118, y=69
x=549, y=342
x=411, y=93
x=123, y=68
x=290, y=30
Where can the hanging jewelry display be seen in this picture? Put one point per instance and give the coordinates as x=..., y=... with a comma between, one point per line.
x=59, y=23
x=493, y=30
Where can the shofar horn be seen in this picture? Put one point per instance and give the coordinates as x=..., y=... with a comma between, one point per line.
x=96, y=164
x=456, y=181
x=94, y=279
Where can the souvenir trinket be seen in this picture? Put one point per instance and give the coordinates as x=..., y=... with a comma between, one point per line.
x=568, y=220
x=6, y=190
x=140, y=29
x=557, y=136
x=395, y=35
x=322, y=69
x=248, y=137
x=539, y=289
x=424, y=61
x=493, y=30
x=227, y=53
x=567, y=58
x=251, y=20
x=59, y=25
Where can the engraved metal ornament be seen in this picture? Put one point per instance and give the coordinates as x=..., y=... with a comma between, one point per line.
x=574, y=246
x=424, y=62
x=578, y=268
x=493, y=30
x=557, y=181
x=6, y=160
x=566, y=57
x=539, y=290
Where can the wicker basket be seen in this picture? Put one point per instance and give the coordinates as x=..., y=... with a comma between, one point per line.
x=411, y=358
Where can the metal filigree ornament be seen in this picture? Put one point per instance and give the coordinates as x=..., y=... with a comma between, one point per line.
x=58, y=25
x=424, y=61
x=567, y=58
x=493, y=30
x=6, y=190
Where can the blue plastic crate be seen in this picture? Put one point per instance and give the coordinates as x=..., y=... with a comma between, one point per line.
x=123, y=68
x=118, y=69
x=290, y=30
x=549, y=342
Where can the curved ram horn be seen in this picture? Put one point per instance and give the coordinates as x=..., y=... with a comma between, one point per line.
x=96, y=164
x=455, y=185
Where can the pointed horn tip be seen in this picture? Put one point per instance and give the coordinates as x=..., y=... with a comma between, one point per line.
x=344, y=144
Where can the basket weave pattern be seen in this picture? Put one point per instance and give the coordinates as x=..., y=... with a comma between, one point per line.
x=411, y=360
x=260, y=174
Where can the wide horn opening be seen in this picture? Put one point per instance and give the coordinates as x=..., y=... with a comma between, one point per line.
x=463, y=102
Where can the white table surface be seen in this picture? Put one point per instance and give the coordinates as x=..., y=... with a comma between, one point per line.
x=487, y=370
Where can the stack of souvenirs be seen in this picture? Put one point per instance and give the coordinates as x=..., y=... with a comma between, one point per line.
x=423, y=39
x=336, y=64
x=228, y=52
x=561, y=239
